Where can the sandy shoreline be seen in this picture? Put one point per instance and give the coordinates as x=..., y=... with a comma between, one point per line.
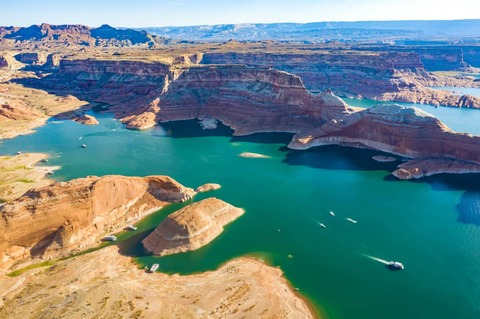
x=112, y=283
x=19, y=173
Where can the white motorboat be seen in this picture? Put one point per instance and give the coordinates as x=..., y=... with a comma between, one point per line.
x=153, y=268
x=395, y=265
x=110, y=238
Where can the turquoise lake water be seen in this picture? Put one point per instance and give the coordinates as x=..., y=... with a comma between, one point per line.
x=432, y=226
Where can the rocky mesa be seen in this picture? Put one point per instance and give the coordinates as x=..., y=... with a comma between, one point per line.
x=66, y=217
x=247, y=99
x=191, y=227
x=386, y=76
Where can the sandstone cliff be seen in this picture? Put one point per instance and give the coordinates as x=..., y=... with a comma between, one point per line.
x=191, y=227
x=399, y=130
x=247, y=99
x=386, y=76
x=65, y=217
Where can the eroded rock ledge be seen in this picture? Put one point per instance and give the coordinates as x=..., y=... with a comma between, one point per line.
x=191, y=227
x=404, y=131
x=65, y=217
x=249, y=100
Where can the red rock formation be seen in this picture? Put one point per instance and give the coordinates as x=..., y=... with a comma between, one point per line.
x=419, y=168
x=74, y=35
x=253, y=99
x=191, y=227
x=86, y=119
x=247, y=99
x=68, y=216
x=398, y=130
x=394, y=76
x=16, y=111
x=207, y=187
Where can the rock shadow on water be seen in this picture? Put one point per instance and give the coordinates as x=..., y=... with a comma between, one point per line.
x=468, y=208
x=192, y=129
x=334, y=157
x=132, y=247
x=265, y=138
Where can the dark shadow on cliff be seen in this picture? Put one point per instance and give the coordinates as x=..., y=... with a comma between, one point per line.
x=333, y=157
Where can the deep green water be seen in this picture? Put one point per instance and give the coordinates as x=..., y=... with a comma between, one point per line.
x=432, y=226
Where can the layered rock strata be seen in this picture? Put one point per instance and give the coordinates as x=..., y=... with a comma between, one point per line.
x=256, y=99
x=399, y=130
x=247, y=99
x=385, y=76
x=419, y=168
x=191, y=227
x=65, y=217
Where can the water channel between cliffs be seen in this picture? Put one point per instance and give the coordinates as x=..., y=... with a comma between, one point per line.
x=432, y=226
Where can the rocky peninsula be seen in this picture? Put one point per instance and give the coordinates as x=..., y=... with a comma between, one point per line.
x=399, y=130
x=67, y=217
x=191, y=227
x=242, y=287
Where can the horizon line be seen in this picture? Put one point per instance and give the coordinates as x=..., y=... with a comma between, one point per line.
x=243, y=23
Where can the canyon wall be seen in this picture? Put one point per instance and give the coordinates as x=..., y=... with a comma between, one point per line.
x=66, y=217
x=253, y=99
x=248, y=99
x=384, y=76
x=403, y=131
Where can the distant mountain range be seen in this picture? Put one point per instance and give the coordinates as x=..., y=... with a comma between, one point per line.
x=79, y=35
x=319, y=31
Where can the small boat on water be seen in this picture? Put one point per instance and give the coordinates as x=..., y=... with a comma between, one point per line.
x=84, y=145
x=131, y=227
x=332, y=213
x=351, y=220
x=110, y=238
x=153, y=268
x=322, y=225
x=395, y=265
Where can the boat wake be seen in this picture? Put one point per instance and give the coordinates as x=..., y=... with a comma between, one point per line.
x=377, y=259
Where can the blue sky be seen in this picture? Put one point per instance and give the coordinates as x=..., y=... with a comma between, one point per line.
x=142, y=13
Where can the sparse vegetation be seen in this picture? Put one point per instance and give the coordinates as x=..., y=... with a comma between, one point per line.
x=25, y=180
x=20, y=271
